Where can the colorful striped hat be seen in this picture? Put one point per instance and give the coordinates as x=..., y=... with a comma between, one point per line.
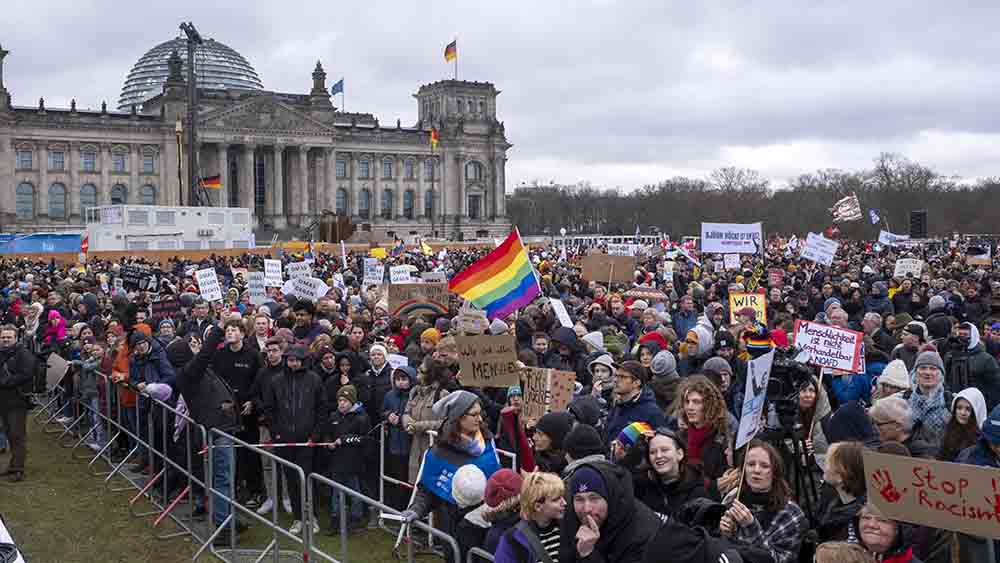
x=630, y=435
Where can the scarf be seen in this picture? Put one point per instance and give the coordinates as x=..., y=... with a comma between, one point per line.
x=758, y=504
x=697, y=439
x=472, y=446
x=930, y=410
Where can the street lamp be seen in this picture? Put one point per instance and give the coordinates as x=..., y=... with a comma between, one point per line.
x=193, y=39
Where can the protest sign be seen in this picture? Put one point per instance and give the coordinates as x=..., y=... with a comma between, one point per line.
x=757, y=301
x=298, y=270
x=413, y=299
x=775, y=277
x=741, y=238
x=135, y=276
x=400, y=274
x=830, y=346
x=820, y=249
x=624, y=249
x=911, y=266
x=208, y=284
x=938, y=494
x=56, y=369
x=731, y=261
x=534, y=389
x=374, y=272
x=434, y=277
x=758, y=374
x=397, y=361
x=256, y=287
x=890, y=239
x=272, y=273
x=560, y=310
x=561, y=387
x=487, y=360
x=604, y=268
x=979, y=255
x=308, y=288
x=165, y=309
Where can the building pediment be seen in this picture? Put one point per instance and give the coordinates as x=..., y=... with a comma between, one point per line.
x=263, y=114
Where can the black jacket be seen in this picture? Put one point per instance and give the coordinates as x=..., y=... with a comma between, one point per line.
x=239, y=370
x=352, y=431
x=294, y=405
x=193, y=326
x=209, y=398
x=372, y=388
x=17, y=372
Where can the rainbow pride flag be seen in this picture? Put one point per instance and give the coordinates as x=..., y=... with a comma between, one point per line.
x=501, y=282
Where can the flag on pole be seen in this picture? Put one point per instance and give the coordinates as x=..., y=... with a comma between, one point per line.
x=451, y=51
x=501, y=282
x=435, y=138
x=847, y=209
x=637, y=230
x=873, y=215
x=338, y=87
x=398, y=247
x=212, y=182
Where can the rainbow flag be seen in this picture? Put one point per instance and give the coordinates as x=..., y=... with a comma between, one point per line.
x=501, y=282
x=451, y=51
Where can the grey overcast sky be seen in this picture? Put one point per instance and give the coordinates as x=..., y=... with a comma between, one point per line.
x=618, y=93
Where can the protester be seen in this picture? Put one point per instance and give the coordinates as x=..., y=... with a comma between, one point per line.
x=17, y=367
x=704, y=425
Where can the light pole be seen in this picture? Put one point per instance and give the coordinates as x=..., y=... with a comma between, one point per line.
x=193, y=40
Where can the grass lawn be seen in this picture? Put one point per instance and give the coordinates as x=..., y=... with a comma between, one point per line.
x=61, y=513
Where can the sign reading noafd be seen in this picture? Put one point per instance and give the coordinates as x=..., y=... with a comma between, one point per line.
x=830, y=346
x=737, y=238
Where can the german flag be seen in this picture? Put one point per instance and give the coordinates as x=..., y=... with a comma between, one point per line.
x=435, y=138
x=212, y=182
x=451, y=51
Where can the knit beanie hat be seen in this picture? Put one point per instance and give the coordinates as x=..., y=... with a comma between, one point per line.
x=929, y=358
x=348, y=392
x=468, y=486
x=631, y=433
x=588, y=480
x=595, y=340
x=514, y=391
x=896, y=375
x=717, y=364
x=431, y=335
x=935, y=303
x=454, y=405
x=165, y=322
x=379, y=348
x=555, y=425
x=498, y=327
x=583, y=440
x=664, y=365
x=501, y=486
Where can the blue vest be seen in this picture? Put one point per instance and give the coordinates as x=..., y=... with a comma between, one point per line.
x=438, y=473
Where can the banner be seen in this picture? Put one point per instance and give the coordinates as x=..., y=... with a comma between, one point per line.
x=757, y=301
x=979, y=255
x=272, y=273
x=487, y=360
x=299, y=270
x=890, y=239
x=758, y=374
x=830, y=346
x=951, y=496
x=604, y=267
x=434, y=277
x=731, y=261
x=400, y=274
x=741, y=238
x=911, y=266
x=413, y=299
x=164, y=309
x=137, y=276
x=256, y=287
x=560, y=310
x=208, y=284
x=374, y=272
x=624, y=249
x=820, y=249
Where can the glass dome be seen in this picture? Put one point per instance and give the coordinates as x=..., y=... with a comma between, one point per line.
x=217, y=66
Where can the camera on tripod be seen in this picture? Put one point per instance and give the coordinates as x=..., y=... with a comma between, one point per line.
x=787, y=377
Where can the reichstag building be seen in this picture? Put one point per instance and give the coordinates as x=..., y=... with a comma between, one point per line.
x=289, y=157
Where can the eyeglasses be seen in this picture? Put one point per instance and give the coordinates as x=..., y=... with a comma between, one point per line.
x=477, y=414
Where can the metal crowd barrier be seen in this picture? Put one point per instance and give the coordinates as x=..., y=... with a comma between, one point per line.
x=478, y=554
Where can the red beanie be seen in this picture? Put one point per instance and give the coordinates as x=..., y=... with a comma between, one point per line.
x=501, y=486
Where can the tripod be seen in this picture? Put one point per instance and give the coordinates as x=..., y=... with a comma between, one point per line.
x=792, y=449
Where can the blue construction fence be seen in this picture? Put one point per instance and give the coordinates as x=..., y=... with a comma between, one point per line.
x=35, y=243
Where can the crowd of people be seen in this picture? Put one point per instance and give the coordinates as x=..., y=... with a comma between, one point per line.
x=639, y=465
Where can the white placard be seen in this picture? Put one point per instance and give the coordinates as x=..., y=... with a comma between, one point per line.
x=434, y=277
x=830, y=346
x=624, y=249
x=272, y=273
x=561, y=313
x=208, y=284
x=820, y=249
x=256, y=287
x=299, y=270
x=758, y=374
x=908, y=266
x=891, y=239
x=306, y=288
x=400, y=274
x=343, y=255
x=732, y=261
x=374, y=272
x=397, y=361
x=741, y=238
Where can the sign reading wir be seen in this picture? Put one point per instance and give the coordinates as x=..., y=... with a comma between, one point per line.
x=488, y=361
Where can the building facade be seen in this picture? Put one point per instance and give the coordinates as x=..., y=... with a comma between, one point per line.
x=287, y=157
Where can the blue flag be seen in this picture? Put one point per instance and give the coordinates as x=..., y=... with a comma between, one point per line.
x=338, y=87
x=873, y=215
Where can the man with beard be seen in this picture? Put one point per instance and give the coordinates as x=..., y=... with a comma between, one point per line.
x=17, y=368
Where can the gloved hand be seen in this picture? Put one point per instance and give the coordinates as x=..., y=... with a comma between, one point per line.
x=408, y=516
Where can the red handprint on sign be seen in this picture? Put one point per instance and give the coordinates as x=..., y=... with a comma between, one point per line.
x=883, y=480
x=996, y=499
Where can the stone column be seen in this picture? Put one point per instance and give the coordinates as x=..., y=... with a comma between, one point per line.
x=167, y=194
x=222, y=157
x=104, y=193
x=302, y=191
x=461, y=207
x=246, y=177
x=501, y=183
x=135, y=186
x=329, y=191
x=73, y=190
x=43, y=180
x=354, y=203
x=279, y=188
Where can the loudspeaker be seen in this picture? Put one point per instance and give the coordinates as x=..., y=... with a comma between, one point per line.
x=918, y=223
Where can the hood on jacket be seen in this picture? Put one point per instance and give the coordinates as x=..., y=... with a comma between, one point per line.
x=604, y=360
x=850, y=423
x=621, y=500
x=974, y=338
x=976, y=399
x=566, y=336
x=410, y=373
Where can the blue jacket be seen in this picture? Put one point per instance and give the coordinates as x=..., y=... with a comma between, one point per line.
x=153, y=367
x=683, y=323
x=395, y=403
x=642, y=408
x=852, y=387
x=979, y=454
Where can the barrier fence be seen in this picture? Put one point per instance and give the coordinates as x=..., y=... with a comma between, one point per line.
x=191, y=480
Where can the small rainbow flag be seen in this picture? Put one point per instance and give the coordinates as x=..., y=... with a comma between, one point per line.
x=212, y=182
x=501, y=282
x=451, y=51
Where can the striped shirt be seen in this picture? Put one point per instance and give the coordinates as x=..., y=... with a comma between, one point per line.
x=550, y=541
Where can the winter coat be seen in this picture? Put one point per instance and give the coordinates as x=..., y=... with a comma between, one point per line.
x=351, y=428
x=87, y=388
x=418, y=413
x=879, y=303
x=576, y=362
x=372, y=389
x=238, y=369
x=514, y=546
x=153, y=367
x=395, y=403
x=642, y=407
x=17, y=373
x=901, y=550
x=851, y=387
x=209, y=398
x=295, y=406
x=884, y=341
x=665, y=499
x=973, y=367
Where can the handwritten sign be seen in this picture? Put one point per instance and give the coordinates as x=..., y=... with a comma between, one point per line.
x=756, y=301
x=951, y=496
x=560, y=310
x=299, y=270
x=544, y=391
x=256, y=287
x=397, y=361
x=272, y=273
x=830, y=346
x=400, y=274
x=758, y=374
x=561, y=387
x=604, y=267
x=434, y=277
x=911, y=266
x=731, y=261
x=488, y=361
x=308, y=288
x=741, y=238
x=374, y=272
x=820, y=249
x=414, y=299
x=208, y=284
x=624, y=249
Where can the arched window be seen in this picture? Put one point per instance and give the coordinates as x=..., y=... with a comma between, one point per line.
x=409, y=169
x=482, y=106
x=57, y=201
x=364, y=204
x=119, y=194
x=387, y=204
x=387, y=168
x=25, y=201
x=429, y=204
x=341, y=201
x=474, y=172
x=88, y=197
x=147, y=195
x=364, y=168
x=428, y=169
x=469, y=105
x=408, y=197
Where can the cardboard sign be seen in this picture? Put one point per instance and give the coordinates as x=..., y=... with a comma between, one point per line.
x=560, y=310
x=758, y=374
x=904, y=266
x=731, y=261
x=890, y=239
x=775, y=277
x=136, y=276
x=979, y=255
x=299, y=270
x=272, y=273
x=374, y=272
x=820, y=249
x=561, y=387
x=488, y=361
x=545, y=390
x=400, y=274
x=208, y=284
x=165, y=309
x=57, y=368
x=741, y=238
x=256, y=287
x=830, y=346
x=414, y=299
x=397, y=361
x=603, y=267
x=434, y=277
x=951, y=496
x=738, y=301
